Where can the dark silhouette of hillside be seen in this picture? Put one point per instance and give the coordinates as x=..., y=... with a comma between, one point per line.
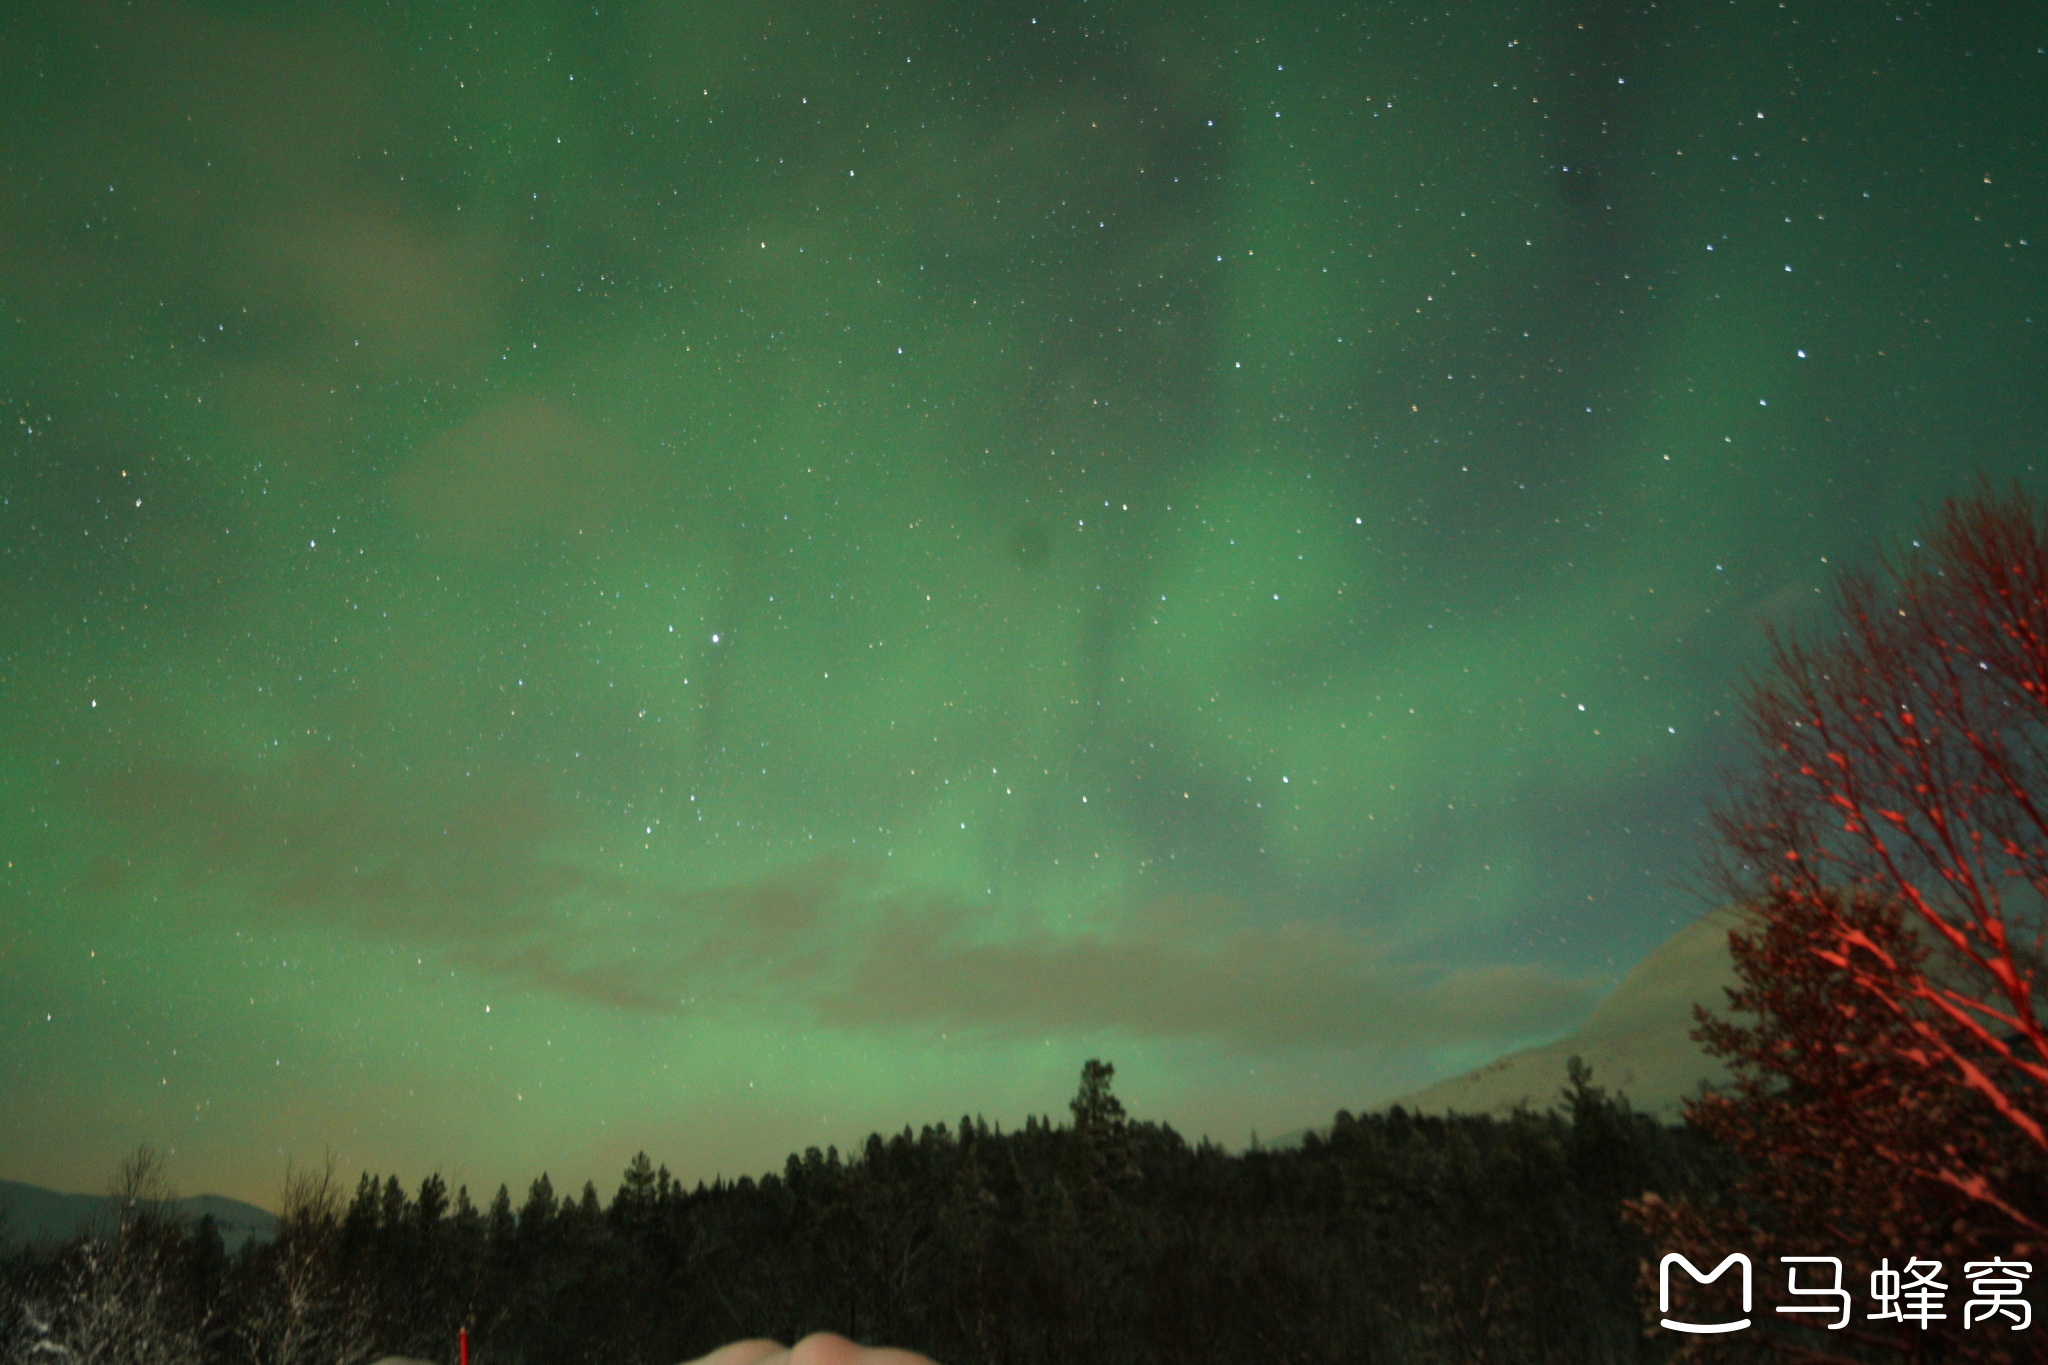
x=30, y=1213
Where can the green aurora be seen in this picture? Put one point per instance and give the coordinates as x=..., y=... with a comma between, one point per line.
x=578, y=578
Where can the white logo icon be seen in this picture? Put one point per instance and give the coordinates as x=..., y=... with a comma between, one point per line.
x=1664, y=1291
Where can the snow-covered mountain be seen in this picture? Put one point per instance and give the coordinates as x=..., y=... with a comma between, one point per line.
x=1638, y=1041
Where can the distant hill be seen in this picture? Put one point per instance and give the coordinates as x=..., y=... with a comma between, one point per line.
x=34, y=1214
x=1638, y=1041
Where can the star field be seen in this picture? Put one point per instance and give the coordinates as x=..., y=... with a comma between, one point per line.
x=584, y=578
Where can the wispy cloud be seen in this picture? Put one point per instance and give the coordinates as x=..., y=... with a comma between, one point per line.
x=824, y=939
x=1208, y=970
x=519, y=468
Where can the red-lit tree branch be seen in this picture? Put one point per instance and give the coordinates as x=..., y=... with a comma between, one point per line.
x=1904, y=760
x=1827, y=1113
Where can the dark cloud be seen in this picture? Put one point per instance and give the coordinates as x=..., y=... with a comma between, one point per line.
x=319, y=843
x=1198, y=971
x=517, y=469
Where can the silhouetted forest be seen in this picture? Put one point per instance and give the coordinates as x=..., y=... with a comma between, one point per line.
x=1398, y=1239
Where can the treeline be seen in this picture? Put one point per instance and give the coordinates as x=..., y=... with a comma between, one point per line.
x=1399, y=1239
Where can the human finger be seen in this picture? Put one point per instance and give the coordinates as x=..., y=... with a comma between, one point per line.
x=829, y=1348
x=754, y=1351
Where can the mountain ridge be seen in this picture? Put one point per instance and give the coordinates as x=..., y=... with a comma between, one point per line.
x=1638, y=1041
x=37, y=1215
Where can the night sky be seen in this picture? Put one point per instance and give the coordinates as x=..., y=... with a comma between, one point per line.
x=715, y=578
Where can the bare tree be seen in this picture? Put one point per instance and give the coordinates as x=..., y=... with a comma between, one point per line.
x=140, y=1193
x=116, y=1298
x=307, y=1310
x=1905, y=759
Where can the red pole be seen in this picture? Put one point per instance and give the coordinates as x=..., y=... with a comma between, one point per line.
x=465, y=1346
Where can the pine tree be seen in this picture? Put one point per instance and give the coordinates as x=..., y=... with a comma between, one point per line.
x=1095, y=1108
x=1103, y=1128
x=394, y=1205
x=433, y=1202
x=539, y=1213
x=639, y=1193
x=500, y=1223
